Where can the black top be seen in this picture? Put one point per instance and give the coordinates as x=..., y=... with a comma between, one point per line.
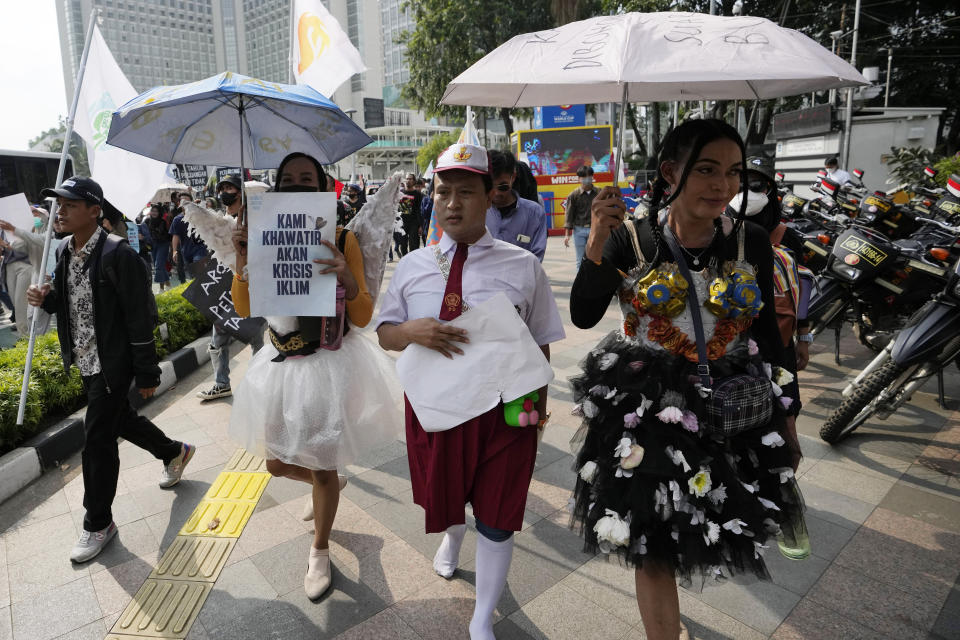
x=596, y=284
x=578, y=207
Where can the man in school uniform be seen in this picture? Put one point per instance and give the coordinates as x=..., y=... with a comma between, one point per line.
x=483, y=461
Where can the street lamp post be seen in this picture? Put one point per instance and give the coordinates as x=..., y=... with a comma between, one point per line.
x=353, y=155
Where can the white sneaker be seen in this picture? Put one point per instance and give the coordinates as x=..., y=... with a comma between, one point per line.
x=91, y=543
x=174, y=471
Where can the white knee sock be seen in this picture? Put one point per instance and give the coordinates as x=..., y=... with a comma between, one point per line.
x=493, y=563
x=448, y=555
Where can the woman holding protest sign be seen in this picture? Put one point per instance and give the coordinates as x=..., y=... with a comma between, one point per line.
x=316, y=397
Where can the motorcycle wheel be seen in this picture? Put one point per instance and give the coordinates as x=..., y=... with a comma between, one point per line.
x=859, y=405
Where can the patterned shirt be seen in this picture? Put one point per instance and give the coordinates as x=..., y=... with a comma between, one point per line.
x=80, y=292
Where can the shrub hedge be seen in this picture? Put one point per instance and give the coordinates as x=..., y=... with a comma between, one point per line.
x=53, y=393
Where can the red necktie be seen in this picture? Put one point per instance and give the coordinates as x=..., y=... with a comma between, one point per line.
x=453, y=296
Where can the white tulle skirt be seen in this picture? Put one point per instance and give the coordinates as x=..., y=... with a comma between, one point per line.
x=322, y=411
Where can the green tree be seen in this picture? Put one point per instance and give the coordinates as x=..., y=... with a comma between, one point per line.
x=78, y=149
x=429, y=152
x=450, y=35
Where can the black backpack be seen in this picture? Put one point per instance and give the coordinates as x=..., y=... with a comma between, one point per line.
x=108, y=268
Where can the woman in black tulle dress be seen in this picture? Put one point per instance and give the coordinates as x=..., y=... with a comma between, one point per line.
x=657, y=485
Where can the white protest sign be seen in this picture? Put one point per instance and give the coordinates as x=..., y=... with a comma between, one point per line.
x=16, y=210
x=286, y=231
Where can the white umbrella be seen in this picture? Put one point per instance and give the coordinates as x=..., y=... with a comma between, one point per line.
x=639, y=57
x=651, y=57
x=255, y=186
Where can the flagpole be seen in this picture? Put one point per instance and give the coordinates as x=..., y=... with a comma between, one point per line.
x=293, y=39
x=622, y=124
x=68, y=134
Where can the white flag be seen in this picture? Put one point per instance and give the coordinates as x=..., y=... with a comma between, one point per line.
x=128, y=180
x=321, y=54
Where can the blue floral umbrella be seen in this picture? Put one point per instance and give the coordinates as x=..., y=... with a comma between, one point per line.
x=229, y=118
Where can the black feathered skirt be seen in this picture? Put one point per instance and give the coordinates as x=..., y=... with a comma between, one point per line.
x=654, y=486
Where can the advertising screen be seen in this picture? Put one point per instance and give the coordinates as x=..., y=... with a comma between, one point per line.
x=555, y=152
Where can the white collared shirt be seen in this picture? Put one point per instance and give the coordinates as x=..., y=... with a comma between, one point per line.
x=492, y=267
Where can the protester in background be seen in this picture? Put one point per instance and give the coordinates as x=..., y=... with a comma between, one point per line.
x=212, y=204
x=410, y=200
x=16, y=273
x=228, y=191
x=577, y=212
x=310, y=407
x=159, y=228
x=351, y=203
x=186, y=247
x=526, y=184
x=426, y=212
x=834, y=172
x=143, y=234
x=399, y=238
x=510, y=218
x=105, y=315
x=30, y=242
x=483, y=461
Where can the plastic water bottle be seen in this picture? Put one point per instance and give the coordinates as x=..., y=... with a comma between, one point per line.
x=793, y=541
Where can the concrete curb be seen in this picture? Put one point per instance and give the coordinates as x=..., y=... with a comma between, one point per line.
x=25, y=464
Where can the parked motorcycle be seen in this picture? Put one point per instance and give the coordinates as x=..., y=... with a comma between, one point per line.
x=928, y=344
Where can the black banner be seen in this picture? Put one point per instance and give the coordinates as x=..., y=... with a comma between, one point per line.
x=372, y=112
x=194, y=175
x=803, y=122
x=210, y=294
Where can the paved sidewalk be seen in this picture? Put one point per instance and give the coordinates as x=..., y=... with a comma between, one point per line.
x=883, y=513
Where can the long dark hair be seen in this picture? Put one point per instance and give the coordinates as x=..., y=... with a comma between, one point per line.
x=526, y=183
x=321, y=174
x=685, y=143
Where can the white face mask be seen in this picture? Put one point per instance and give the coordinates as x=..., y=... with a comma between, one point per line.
x=586, y=182
x=755, y=203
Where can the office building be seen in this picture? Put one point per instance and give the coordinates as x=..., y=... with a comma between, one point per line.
x=163, y=42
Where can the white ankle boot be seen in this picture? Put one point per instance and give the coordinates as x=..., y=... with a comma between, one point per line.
x=318, y=578
x=493, y=563
x=448, y=555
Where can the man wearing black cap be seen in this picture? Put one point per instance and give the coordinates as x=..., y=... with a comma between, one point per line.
x=105, y=315
x=228, y=191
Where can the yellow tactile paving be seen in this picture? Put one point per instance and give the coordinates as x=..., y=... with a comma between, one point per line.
x=171, y=598
x=163, y=609
x=237, y=485
x=194, y=558
x=219, y=518
x=241, y=460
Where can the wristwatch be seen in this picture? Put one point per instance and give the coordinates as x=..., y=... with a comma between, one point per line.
x=805, y=337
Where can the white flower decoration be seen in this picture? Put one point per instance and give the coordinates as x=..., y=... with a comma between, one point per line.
x=577, y=410
x=718, y=495
x=752, y=347
x=678, y=458
x=612, y=531
x=784, y=377
x=735, y=526
x=644, y=405
x=677, y=494
x=675, y=534
x=623, y=448
x=749, y=487
x=772, y=527
x=619, y=397
x=700, y=484
x=607, y=360
x=777, y=391
x=589, y=409
x=630, y=420
x=610, y=394
x=699, y=517
x=769, y=504
x=671, y=415
x=773, y=439
x=712, y=534
x=599, y=390
x=785, y=473
x=588, y=472
x=758, y=550
x=768, y=370
x=640, y=545
x=636, y=456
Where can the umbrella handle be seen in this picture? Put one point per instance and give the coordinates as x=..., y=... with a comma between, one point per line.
x=623, y=119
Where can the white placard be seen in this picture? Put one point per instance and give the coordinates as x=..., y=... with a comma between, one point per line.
x=286, y=231
x=500, y=363
x=16, y=210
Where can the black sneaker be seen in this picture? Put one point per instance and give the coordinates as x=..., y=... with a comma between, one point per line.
x=217, y=391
